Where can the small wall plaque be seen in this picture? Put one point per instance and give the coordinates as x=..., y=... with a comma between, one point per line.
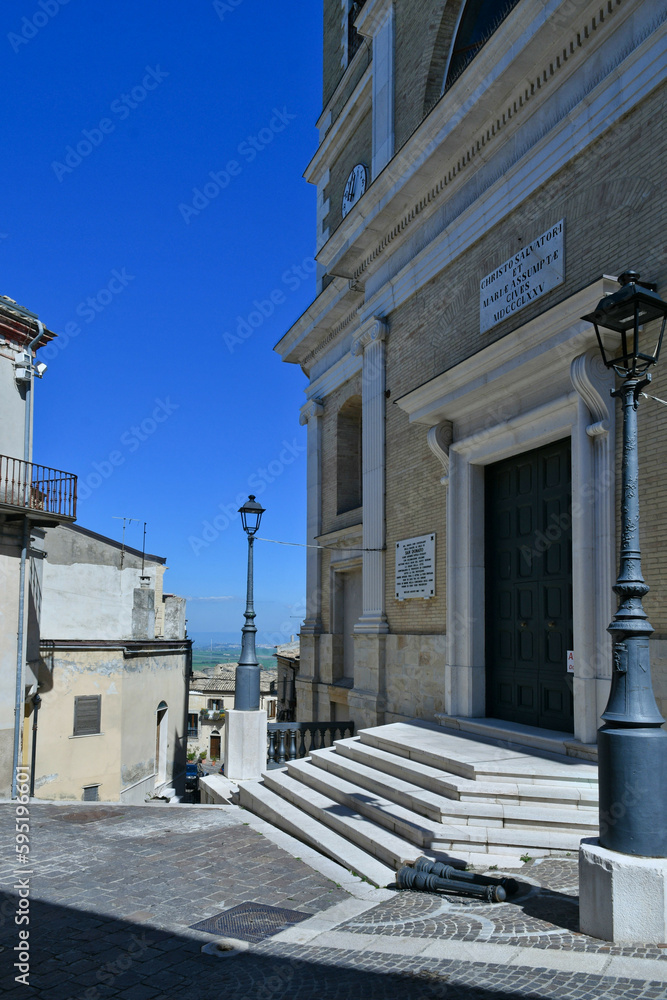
x=415, y=567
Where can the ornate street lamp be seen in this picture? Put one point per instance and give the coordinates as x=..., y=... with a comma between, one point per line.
x=632, y=746
x=246, y=695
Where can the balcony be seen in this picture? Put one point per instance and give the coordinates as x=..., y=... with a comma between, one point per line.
x=49, y=495
x=212, y=715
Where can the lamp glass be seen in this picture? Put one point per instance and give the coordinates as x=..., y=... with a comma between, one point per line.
x=251, y=515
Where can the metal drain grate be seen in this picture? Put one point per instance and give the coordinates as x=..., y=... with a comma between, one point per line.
x=251, y=921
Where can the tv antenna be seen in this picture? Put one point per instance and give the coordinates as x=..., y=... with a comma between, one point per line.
x=128, y=520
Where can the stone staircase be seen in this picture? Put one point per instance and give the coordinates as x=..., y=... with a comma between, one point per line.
x=393, y=793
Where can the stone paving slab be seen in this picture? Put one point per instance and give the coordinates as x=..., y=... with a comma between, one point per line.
x=113, y=894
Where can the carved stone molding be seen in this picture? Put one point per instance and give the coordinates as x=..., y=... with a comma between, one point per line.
x=592, y=380
x=372, y=330
x=313, y=408
x=439, y=439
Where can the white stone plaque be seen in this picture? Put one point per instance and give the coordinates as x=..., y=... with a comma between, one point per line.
x=415, y=567
x=530, y=273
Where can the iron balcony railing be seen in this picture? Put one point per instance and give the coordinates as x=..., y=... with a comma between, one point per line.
x=36, y=487
x=292, y=740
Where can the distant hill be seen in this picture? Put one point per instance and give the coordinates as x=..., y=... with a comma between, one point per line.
x=220, y=640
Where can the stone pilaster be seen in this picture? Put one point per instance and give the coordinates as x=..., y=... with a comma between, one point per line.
x=371, y=343
x=311, y=415
x=311, y=628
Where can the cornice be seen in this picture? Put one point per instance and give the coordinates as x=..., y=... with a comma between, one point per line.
x=335, y=140
x=364, y=49
x=307, y=329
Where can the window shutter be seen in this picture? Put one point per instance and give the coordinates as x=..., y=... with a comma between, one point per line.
x=87, y=715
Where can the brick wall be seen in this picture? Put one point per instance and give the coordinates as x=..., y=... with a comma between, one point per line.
x=415, y=505
x=333, y=49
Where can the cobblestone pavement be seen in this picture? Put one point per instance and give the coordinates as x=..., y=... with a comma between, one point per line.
x=114, y=892
x=543, y=914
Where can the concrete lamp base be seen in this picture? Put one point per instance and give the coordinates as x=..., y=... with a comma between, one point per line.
x=622, y=898
x=245, y=745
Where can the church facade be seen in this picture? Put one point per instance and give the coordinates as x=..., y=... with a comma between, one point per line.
x=485, y=172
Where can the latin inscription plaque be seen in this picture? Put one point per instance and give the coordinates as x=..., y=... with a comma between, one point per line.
x=532, y=272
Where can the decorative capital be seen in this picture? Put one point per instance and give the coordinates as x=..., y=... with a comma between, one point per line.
x=593, y=381
x=439, y=439
x=313, y=408
x=374, y=329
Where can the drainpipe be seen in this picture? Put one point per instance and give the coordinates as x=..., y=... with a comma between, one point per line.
x=20, y=655
x=36, y=702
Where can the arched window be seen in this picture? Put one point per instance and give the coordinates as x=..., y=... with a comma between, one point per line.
x=348, y=456
x=478, y=20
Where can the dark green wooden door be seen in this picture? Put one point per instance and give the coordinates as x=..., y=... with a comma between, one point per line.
x=528, y=566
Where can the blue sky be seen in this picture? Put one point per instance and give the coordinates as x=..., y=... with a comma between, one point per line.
x=155, y=216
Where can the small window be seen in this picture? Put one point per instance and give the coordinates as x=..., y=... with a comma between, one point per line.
x=87, y=715
x=216, y=704
x=91, y=793
x=193, y=725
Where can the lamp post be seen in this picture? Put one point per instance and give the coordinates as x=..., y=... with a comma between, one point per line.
x=246, y=694
x=632, y=746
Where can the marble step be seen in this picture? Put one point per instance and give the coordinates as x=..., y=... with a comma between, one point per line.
x=520, y=736
x=364, y=833
x=405, y=823
x=269, y=806
x=463, y=755
x=453, y=786
x=443, y=810
x=451, y=836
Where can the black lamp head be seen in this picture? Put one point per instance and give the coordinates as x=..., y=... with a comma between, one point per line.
x=251, y=514
x=626, y=313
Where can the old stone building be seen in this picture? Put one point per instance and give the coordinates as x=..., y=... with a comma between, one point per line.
x=112, y=674
x=485, y=171
x=210, y=696
x=33, y=497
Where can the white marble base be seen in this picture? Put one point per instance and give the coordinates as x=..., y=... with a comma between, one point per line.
x=622, y=898
x=245, y=745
